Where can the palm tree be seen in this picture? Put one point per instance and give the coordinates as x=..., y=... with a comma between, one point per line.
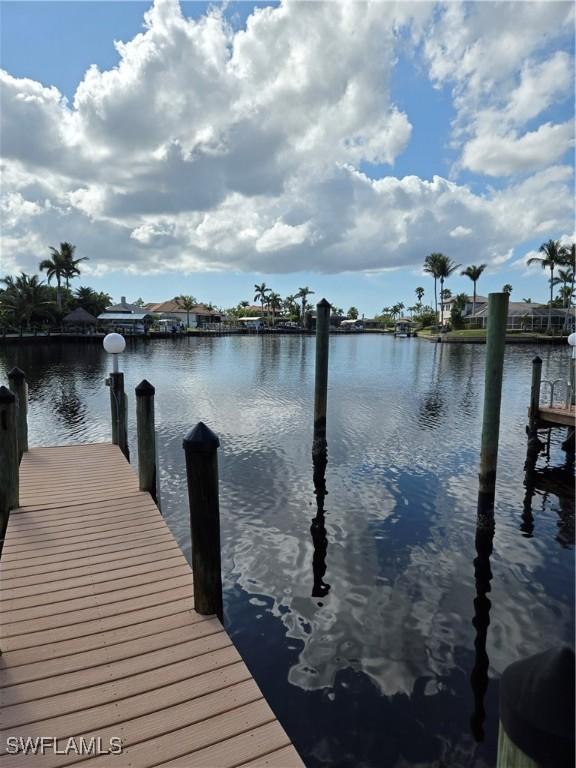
x=507, y=288
x=71, y=264
x=187, y=303
x=569, y=259
x=56, y=267
x=303, y=294
x=25, y=297
x=445, y=268
x=564, y=277
x=431, y=267
x=473, y=272
x=92, y=301
x=274, y=302
x=261, y=294
x=553, y=256
x=419, y=295
x=290, y=305
x=244, y=304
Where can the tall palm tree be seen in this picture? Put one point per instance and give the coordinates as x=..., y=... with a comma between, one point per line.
x=473, y=272
x=274, y=302
x=56, y=267
x=25, y=297
x=553, y=255
x=303, y=294
x=569, y=259
x=445, y=268
x=187, y=303
x=432, y=267
x=71, y=264
x=419, y=295
x=261, y=294
x=507, y=288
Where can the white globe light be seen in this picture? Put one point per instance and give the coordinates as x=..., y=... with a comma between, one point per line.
x=114, y=343
x=572, y=339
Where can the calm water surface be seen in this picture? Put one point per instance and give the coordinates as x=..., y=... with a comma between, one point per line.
x=358, y=625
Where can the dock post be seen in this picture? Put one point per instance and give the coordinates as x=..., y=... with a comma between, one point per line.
x=201, y=451
x=495, y=345
x=321, y=376
x=9, y=480
x=534, y=444
x=17, y=384
x=146, y=436
x=119, y=411
x=535, y=392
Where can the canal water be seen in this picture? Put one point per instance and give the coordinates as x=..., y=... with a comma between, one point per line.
x=364, y=625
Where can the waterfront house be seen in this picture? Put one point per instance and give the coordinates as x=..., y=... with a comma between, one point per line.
x=171, y=310
x=124, y=307
x=527, y=316
x=447, y=305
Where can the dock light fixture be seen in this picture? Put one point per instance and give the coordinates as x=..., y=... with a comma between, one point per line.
x=114, y=344
x=572, y=342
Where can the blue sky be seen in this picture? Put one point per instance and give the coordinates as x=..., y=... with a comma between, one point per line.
x=284, y=164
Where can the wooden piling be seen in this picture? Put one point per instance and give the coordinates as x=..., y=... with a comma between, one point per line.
x=201, y=451
x=9, y=460
x=17, y=384
x=119, y=412
x=146, y=436
x=321, y=375
x=495, y=345
x=535, y=392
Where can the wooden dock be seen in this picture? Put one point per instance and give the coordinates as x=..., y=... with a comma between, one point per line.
x=557, y=417
x=99, y=637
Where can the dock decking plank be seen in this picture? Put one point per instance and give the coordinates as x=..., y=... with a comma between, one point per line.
x=98, y=632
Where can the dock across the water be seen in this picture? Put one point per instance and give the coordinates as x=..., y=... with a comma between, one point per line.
x=103, y=654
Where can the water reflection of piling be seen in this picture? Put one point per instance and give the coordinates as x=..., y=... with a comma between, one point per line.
x=318, y=528
x=481, y=622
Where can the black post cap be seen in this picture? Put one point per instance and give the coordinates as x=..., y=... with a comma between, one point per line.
x=200, y=439
x=145, y=389
x=16, y=374
x=6, y=396
x=323, y=303
x=537, y=707
x=537, y=360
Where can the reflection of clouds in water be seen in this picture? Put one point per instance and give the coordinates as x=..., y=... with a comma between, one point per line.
x=396, y=633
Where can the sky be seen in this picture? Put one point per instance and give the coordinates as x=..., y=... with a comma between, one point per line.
x=194, y=148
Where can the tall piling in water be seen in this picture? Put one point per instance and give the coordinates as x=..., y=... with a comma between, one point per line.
x=495, y=345
x=146, y=438
x=321, y=376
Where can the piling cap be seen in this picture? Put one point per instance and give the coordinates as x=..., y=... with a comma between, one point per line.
x=200, y=439
x=6, y=396
x=145, y=389
x=537, y=707
x=537, y=360
x=323, y=303
x=16, y=374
